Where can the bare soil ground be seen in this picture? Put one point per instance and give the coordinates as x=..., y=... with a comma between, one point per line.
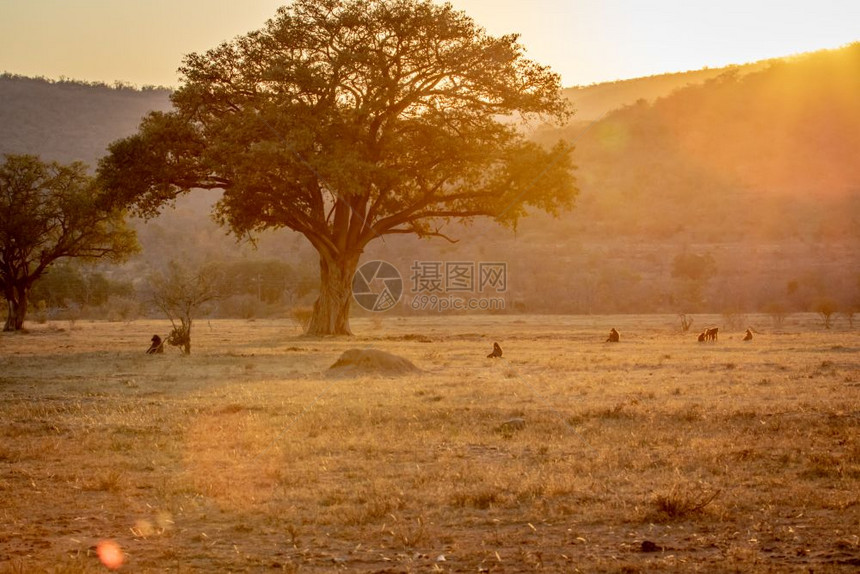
x=657, y=453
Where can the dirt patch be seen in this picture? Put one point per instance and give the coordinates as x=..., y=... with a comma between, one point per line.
x=358, y=362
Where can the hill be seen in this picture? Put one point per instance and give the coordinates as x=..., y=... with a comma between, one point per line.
x=595, y=100
x=70, y=121
x=752, y=168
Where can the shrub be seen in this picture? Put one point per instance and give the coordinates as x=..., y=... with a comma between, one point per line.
x=301, y=316
x=123, y=309
x=826, y=307
x=682, y=501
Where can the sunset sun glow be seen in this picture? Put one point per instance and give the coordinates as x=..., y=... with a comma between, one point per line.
x=585, y=41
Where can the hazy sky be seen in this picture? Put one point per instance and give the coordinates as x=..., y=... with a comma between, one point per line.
x=143, y=41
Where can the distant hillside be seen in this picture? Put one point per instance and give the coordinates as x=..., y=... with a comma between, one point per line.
x=595, y=100
x=756, y=170
x=791, y=128
x=752, y=167
x=69, y=121
x=759, y=170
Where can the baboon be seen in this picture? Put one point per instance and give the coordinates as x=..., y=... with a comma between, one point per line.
x=748, y=335
x=702, y=336
x=711, y=334
x=497, y=352
x=614, y=337
x=157, y=346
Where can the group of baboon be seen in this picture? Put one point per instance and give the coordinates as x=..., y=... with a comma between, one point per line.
x=709, y=334
x=157, y=345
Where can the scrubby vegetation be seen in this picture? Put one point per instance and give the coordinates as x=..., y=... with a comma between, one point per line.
x=653, y=454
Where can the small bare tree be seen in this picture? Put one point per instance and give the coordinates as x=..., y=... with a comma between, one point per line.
x=180, y=294
x=826, y=307
x=777, y=312
x=686, y=322
x=849, y=313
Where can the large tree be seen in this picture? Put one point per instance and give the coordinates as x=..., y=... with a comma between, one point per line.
x=49, y=212
x=349, y=120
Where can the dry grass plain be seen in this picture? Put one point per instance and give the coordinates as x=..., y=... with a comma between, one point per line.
x=654, y=454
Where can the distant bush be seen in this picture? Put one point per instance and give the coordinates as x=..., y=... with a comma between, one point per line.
x=734, y=320
x=41, y=312
x=71, y=313
x=121, y=309
x=681, y=502
x=826, y=308
x=246, y=307
x=301, y=316
x=777, y=311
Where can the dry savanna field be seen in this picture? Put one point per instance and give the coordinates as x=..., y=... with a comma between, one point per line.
x=657, y=453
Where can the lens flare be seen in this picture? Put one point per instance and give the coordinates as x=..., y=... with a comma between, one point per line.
x=110, y=554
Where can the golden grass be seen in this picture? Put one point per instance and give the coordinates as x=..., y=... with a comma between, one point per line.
x=244, y=456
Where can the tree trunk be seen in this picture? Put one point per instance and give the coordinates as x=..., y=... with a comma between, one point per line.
x=16, y=300
x=331, y=310
x=186, y=328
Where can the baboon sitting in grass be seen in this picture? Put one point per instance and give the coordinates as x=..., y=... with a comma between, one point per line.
x=614, y=337
x=748, y=335
x=702, y=336
x=497, y=352
x=156, y=347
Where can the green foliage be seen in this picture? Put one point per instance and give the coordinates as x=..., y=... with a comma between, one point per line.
x=390, y=114
x=64, y=284
x=50, y=212
x=347, y=121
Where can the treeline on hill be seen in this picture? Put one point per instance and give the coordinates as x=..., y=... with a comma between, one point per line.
x=727, y=191
x=68, y=120
x=596, y=100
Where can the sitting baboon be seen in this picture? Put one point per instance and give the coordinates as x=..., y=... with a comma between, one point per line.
x=711, y=334
x=702, y=336
x=157, y=346
x=614, y=337
x=497, y=352
x=748, y=335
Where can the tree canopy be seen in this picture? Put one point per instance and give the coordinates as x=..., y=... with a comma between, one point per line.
x=349, y=120
x=48, y=212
